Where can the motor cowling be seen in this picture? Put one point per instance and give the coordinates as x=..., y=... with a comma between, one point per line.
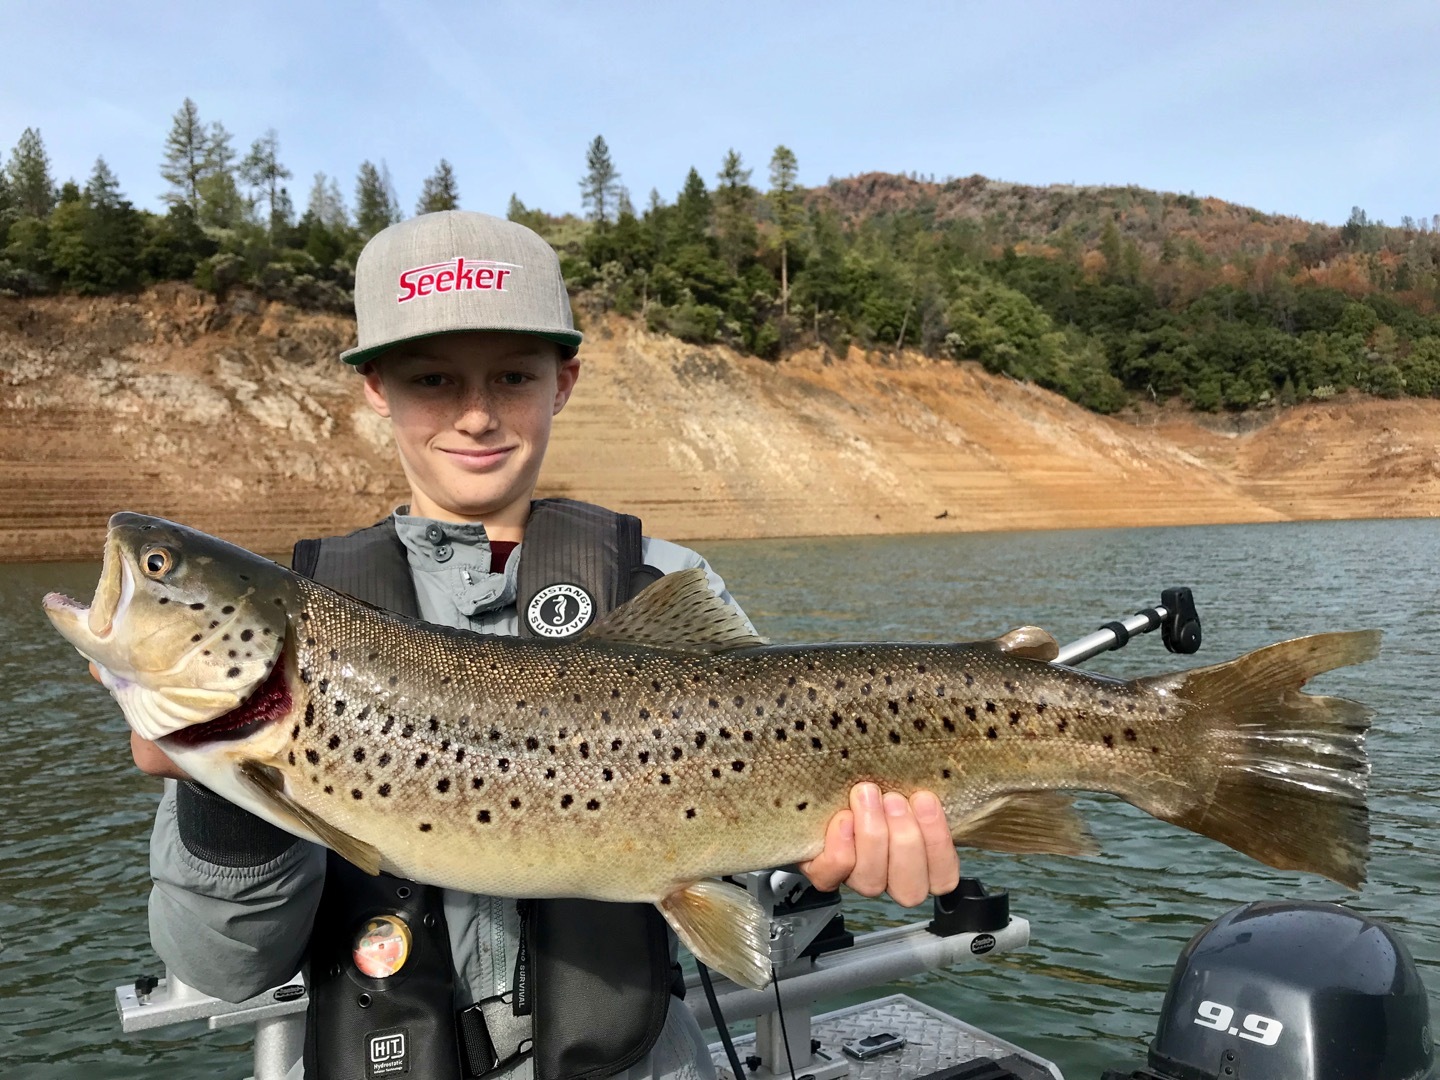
x=1294, y=991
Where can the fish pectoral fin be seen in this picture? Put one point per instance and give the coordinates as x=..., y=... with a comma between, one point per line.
x=680, y=612
x=267, y=783
x=1026, y=823
x=1031, y=642
x=724, y=927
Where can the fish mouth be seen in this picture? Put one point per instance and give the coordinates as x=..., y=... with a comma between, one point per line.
x=267, y=704
x=94, y=623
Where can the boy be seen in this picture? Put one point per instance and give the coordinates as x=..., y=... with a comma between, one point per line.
x=466, y=345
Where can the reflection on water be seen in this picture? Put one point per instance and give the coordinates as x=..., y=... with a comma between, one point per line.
x=1105, y=930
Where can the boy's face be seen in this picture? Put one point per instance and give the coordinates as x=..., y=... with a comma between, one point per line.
x=471, y=415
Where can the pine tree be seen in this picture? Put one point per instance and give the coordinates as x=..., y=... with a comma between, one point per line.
x=186, y=152
x=785, y=205
x=516, y=210
x=221, y=204
x=262, y=171
x=692, y=210
x=735, y=211
x=32, y=189
x=599, y=187
x=440, y=191
x=374, y=202
x=326, y=204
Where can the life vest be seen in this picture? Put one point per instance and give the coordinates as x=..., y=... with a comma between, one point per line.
x=595, y=978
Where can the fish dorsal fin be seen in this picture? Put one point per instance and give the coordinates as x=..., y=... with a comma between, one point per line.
x=1030, y=642
x=680, y=612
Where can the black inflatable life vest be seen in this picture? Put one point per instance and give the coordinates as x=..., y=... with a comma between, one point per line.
x=598, y=977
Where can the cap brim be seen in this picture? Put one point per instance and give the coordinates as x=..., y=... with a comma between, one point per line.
x=568, y=340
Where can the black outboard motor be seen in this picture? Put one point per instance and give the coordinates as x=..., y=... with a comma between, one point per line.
x=1293, y=991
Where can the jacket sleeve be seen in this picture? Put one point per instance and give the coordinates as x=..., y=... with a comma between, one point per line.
x=234, y=897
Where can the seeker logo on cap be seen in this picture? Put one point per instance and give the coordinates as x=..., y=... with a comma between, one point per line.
x=457, y=275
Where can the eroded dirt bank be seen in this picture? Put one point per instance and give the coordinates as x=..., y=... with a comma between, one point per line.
x=237, y=418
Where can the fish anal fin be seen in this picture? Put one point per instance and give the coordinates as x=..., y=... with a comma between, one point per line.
x=1031, y=642
x=268, y=785
x=724, y=927
x=1026, y=823
x=680, y=612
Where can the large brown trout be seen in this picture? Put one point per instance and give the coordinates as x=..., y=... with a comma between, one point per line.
x=668, y=746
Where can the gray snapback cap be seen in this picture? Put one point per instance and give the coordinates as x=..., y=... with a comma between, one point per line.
x=454, y=271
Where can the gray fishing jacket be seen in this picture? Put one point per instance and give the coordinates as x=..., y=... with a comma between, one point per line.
x=232, y=904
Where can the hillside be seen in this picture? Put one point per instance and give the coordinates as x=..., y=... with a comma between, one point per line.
x=236, y=418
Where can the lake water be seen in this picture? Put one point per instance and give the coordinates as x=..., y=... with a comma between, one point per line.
x=75, y=815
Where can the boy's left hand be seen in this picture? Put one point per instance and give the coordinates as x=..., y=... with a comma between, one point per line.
x=887, y=844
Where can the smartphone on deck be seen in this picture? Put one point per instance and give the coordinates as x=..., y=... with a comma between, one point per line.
x=871, y=1045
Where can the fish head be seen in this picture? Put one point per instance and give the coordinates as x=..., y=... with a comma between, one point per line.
x=183, y=626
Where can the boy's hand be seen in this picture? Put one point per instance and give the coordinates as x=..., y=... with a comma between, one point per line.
x=887, y=844
x=149, y=758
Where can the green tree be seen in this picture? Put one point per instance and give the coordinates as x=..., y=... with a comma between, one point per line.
x=96, y=236
x=31, y=186
x=600, y=187
x=785, y=206
x=186, y=157
x=440, y=191
x=692, y=211
x=734, y=212
x=262, y=171
x=222, y=206
x=326, y=203
x=375, y=204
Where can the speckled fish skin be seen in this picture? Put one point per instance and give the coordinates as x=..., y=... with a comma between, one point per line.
x=628, y=765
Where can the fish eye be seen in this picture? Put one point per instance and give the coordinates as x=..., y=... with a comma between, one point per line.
x=157, y=562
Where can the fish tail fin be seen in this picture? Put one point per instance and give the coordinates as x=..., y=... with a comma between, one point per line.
x=1292, y=766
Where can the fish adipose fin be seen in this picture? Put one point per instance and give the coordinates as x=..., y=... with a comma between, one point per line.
x=1293, y=770
x=679, y=612
x=269, y=786
x=725, y=929
x=1031, y=642
x=1026, y=823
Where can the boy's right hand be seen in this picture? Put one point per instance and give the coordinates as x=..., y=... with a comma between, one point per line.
x=149, y=758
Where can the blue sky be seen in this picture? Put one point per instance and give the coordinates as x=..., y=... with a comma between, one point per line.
x=1305, y=108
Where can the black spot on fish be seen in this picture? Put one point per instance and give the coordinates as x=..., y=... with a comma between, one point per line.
x=231, y=653
x=1154, y=749
x=801, y=805
x=944, y=774
x=790, y=681
x=593, y=804
x=835, y=720
x=1062, y=725
x=781, y=699
x=714, y=704
x=407, y=730
x=483, y=817
x=991, y=733
x=313, y=756
x=893, y=706
x=839, y=684
x=940, y=690
x=1108, y=739
x=444, y=680
x=699, y=739
x=690, y=812
x=748, y=736
x=799, y=725
x=532, y=743
x=373, y=657
x=385, y=727
x=585, y=749
x=339, y=706
x=865, y=690
x=197, y=607
x=676, y=713
x=420, y=760
x=715, y=773
x=1009, y=685
x=724, y=733
x=655, y=685
x=383, y=759
x=608, y=774
x=738, y=766
x=477, y=782
x=1014, y=716
x=664, y=778
x=565, y=801
x=324, y=685
x=969, y=679
x=990, y=706
x=434, y=723
x=521, y=704
x=644, y=756
x=459, y=755
x=334, y=654
x=969, y=712
x=895, y=736
x=494, y=735
x=811, y=694
x=605, y=715
x=393, y=680
x=195, y=637
x=356, y=793
x=676, y=753
x=304, y=616
x=947, y=723
x=1040, y=707
x=845, y=753
x=919, y=724
x=1129, y=734
x=328, y=789
x=164, y=600
x=920, y=668
x=614, y=692
x=503, y=764
x=861, y=726
x=550, y=773
x=739, y=701
x=234, y=672
x=359, y=754
x=780, y=734
x=815, y=743
x=442, y=785
x=295, y=732
x=515, y=803
x=424, y=826
x=444, y=744
x=292, y=757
